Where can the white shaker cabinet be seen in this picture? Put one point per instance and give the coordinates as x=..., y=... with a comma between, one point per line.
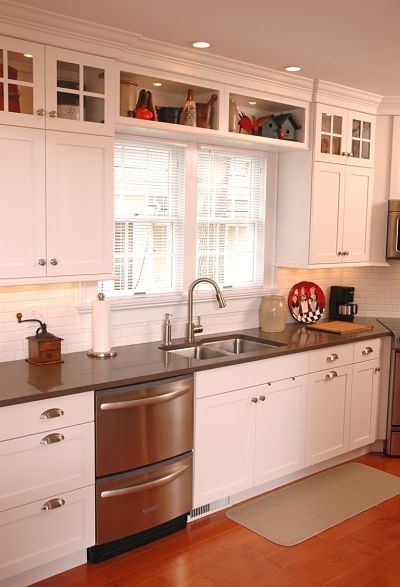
x=328, y=414
x=52, y=184
x=280, y=428
x=47, y=87
x=364, y=403
x=340, y=214
x=344, y=136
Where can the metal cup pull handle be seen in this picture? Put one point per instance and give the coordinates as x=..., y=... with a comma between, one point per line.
x=331, y=375
x=52, y=438
x=51, y=413
x=53, y=504
x=367, y=351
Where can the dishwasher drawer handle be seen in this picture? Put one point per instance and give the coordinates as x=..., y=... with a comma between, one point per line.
x=148, y=485
x=331, y=375
x=145, y=401
x=367, y=350
x=51, y=413
x=53, y=504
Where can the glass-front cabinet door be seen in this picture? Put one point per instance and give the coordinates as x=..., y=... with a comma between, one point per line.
x=79, y=92
x=22, y=100
x=330, y=134
x=361, y=139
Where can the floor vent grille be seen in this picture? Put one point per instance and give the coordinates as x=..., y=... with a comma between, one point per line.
x=209, y=508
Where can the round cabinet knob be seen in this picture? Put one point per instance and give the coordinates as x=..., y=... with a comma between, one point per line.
x=345, y=253
x=377, y=370
x=340, y=253
x=254, y=400
x=350, y=154
x=40, y=111
x=332, y=357
x=42, y=262
x=53, y=262
x=331, y=375
x=53, y=114
x=262, y=398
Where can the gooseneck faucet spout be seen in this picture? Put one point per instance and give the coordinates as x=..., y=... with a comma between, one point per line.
x=197, y=328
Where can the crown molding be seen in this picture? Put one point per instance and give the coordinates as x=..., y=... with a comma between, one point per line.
x=337, y=95
x=390, y=105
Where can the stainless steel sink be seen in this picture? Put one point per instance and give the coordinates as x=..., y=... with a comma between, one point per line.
x=221, y=347
x=238, y=346
x=198, y=352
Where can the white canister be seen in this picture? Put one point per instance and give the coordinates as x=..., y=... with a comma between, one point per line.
x=273, y=313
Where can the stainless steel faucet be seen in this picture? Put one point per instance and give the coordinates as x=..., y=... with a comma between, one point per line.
x=197, y=328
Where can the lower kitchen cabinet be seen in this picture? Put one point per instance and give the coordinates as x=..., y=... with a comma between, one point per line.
x=247, y=437
x=328, y=414
x=280, y=427
x=364, y=403
x=45, y=530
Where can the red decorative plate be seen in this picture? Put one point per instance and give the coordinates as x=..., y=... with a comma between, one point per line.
x=306, y=301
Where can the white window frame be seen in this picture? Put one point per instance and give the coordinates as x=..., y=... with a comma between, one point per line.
x=189, y=239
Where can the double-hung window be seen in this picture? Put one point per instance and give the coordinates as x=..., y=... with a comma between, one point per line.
x=149, y=187
x=230, y=217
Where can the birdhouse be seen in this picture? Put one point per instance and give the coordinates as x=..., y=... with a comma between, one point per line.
x=288, y=124
x=269, y=127
x=44, y=348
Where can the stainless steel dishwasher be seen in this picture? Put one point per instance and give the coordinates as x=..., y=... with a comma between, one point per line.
x=144, y=441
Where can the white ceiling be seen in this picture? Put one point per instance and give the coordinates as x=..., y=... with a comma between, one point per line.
x=351, y=42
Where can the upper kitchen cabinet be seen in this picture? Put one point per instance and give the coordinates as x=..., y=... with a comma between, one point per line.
x=57, y=89
x=57, y=218
x=22, y=85
x=161, y=101
x=344, y=136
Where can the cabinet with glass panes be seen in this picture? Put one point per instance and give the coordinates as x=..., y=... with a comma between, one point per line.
x=344, y=136
x=52, y=88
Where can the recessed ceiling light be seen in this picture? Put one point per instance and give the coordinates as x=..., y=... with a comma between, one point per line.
x=28, y=55
x=201, y=44
x=157, y=84
x=293, y=68
x=252, y=103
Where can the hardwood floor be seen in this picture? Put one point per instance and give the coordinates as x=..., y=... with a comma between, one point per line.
x=214, y=551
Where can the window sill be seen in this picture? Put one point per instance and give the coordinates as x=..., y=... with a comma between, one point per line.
x=157, y=301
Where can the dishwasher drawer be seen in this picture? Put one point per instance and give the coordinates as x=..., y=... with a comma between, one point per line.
x=138, y=425
x=131, y=502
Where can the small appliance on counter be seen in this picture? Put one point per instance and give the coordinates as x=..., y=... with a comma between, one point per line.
x=341, y=303
x=44, y=348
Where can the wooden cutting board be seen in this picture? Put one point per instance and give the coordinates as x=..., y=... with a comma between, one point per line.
x=339, y=327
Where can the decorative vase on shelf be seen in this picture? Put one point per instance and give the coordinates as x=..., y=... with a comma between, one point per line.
x=188, y=115
x=273, y=313
x=234, y=116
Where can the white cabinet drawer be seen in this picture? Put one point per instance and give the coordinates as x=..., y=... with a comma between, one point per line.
x=365, y=350
x=48, y=414
x=215, y=381
x=30, y=469
x=333, y=356
x=31, y=536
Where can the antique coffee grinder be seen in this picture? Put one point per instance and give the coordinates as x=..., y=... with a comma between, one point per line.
x=44, y=348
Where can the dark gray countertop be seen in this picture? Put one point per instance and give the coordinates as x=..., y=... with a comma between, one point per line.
x=23, y=382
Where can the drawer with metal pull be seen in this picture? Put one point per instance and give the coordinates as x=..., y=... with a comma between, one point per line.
x=365, y=350
x=48, y=414
x=333, y=356
x=36, y=466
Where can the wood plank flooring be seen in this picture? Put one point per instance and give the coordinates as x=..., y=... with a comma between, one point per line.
x=216, y=552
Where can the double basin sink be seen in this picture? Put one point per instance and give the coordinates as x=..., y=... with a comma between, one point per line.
x=215, y=348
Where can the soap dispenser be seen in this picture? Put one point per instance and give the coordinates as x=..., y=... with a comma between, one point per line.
x=167, y=330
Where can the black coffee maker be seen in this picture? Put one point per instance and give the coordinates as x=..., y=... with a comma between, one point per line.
x=341, y=303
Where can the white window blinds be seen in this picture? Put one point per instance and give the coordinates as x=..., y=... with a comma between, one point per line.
x=149, y=206
x=230, y=217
